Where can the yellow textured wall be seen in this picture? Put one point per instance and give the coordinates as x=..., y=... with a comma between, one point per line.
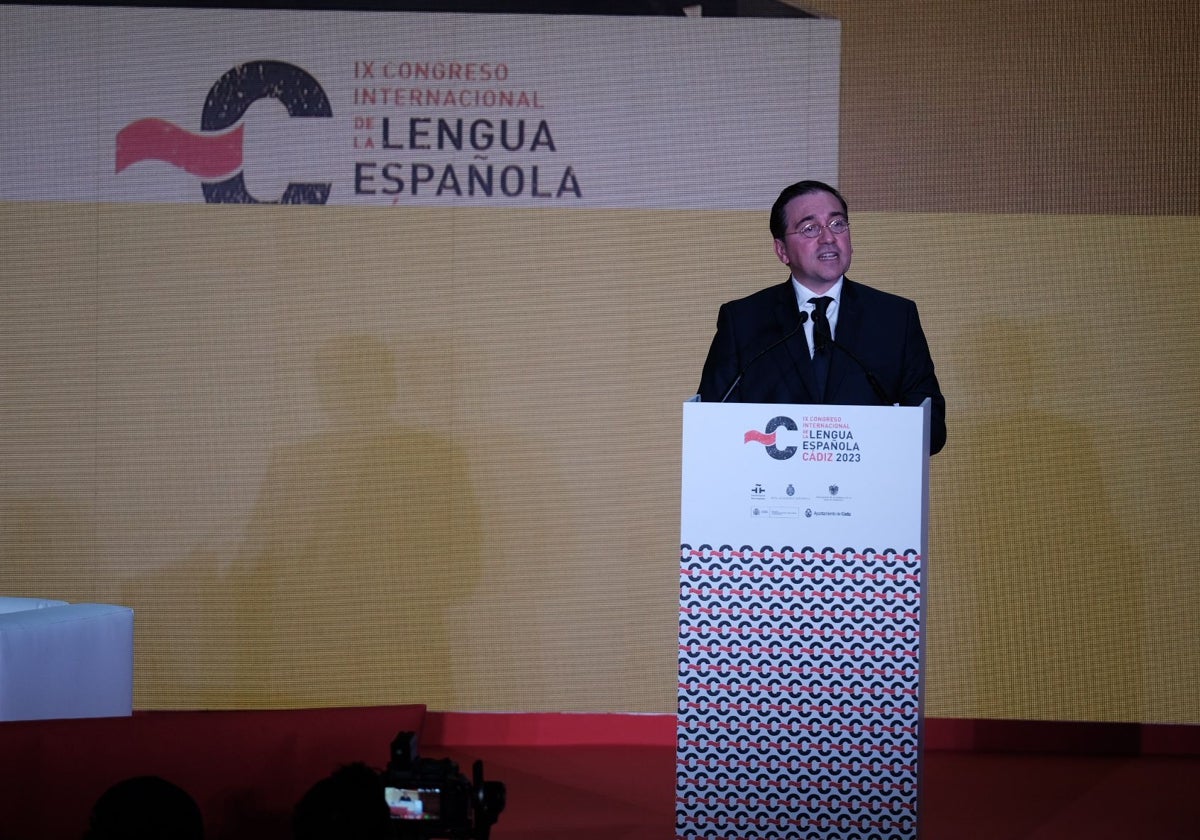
x=446, y=471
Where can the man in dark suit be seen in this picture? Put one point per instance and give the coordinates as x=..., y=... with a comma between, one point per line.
x=820, y=337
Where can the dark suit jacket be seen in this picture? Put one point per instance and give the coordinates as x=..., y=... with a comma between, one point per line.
x=883, y=331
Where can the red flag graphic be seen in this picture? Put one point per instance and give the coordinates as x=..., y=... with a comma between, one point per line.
x=202, y=155
x=758, y=437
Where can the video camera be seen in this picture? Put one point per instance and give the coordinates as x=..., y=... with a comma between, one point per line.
x=429, y=798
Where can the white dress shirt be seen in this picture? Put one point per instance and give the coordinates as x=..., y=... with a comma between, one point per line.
x=803, y=293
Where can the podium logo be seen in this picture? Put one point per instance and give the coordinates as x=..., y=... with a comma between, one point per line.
x=767, y=437
x=215, y=153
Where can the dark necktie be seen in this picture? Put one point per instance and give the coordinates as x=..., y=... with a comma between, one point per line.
x=822, y=343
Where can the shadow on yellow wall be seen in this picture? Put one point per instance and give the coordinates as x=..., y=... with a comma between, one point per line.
x=1046, y=591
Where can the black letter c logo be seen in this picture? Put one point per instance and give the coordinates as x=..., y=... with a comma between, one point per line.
x=787, y=423
x=240, y=88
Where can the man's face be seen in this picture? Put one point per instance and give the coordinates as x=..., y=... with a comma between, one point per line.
x=817, y=262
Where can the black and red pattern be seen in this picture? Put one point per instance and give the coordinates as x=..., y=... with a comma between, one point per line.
x=799, y=693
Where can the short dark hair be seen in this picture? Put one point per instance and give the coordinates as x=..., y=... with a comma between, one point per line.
x=145, y=808
x=779, y=208
x=348, y=804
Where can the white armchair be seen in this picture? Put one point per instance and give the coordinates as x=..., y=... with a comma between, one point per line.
x=60, y=660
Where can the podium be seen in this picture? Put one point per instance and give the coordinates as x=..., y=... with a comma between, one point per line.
x=803, y=542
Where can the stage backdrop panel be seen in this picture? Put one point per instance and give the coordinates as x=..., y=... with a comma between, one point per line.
x=160, y=359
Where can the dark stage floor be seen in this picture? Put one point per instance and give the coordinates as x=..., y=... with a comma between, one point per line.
x=626, y=793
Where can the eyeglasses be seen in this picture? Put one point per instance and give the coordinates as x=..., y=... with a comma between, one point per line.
x=813, y=229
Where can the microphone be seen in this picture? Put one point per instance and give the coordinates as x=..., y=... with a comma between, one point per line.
x=799, y=326
x=823, y=340
x=871, y=380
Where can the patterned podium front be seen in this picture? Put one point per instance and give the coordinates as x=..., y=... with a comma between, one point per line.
x=799, y=663
x=799, y=691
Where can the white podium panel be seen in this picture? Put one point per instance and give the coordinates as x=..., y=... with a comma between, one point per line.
x=803, y=543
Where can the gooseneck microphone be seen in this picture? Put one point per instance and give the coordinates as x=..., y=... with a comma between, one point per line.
x=871, y=380
x=799, y=326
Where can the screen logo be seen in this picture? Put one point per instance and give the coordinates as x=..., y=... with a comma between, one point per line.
x=215, y=153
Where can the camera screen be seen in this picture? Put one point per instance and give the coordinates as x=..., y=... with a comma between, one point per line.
x=414, y=803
